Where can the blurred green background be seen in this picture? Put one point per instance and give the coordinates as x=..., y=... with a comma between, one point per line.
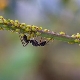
x=55, y=61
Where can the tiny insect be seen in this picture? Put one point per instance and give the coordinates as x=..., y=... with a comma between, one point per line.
x=25, y=41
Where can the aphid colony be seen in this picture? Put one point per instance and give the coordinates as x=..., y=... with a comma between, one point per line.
x=24, y=39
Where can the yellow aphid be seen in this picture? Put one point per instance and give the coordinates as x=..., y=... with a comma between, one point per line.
x=62, y=33
x=49, y=38
x=23, y=27
x=16, y=21
x=11, y=21
x=29, y=26
x=46, y=30
x=28, y=37
x=5, y=21
x=34, y=28
x=1, y=21
x=40, y=28
x=23, y=24
x=78, y=35
x=27, y=29
x=77, y=40
x=73, y=36
x=13, y=26
x=1, y=17
x=32, y=34
x=17, y=30
x=38, y=33
x=22, y=34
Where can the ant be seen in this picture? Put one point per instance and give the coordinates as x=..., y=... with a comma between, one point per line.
x=25, y=41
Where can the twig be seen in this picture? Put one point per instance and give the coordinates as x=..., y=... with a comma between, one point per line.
x=16, y=26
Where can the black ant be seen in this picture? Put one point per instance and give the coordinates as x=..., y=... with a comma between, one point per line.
x=25, y=41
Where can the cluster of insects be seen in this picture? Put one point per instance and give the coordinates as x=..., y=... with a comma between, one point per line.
x=34, y=42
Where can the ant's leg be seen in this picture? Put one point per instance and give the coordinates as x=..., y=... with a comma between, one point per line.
x=49, y=40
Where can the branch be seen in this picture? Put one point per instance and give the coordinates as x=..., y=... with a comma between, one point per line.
x=33, y=31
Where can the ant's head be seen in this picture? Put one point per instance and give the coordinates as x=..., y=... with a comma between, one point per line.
x=43, y=43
